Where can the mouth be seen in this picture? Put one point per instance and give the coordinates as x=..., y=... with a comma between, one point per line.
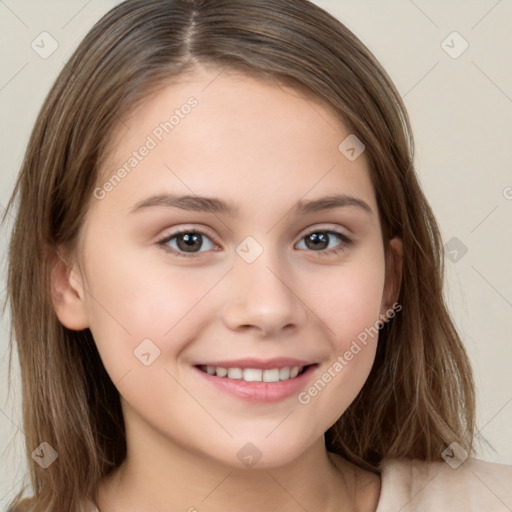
x=255, y=374
x=264, y=382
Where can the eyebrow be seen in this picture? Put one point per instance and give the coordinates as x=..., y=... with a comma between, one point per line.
x=219, y=206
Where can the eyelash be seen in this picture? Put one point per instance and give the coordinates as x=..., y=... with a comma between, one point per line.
x=344, y=244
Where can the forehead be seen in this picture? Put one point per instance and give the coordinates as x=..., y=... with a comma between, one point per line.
x=223, y=133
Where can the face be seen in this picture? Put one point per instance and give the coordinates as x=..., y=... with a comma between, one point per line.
x=254, y=273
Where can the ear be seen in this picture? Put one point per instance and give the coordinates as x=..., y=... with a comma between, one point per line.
x=67, y=292
x=393, y=280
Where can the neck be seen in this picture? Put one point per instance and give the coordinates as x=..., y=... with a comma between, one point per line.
x=159, y=475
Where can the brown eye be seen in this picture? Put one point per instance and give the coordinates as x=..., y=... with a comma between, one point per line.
x=189, y=242
x=318, y=241
x=186, y=243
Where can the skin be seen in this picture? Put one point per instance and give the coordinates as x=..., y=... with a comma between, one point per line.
x=262, y=147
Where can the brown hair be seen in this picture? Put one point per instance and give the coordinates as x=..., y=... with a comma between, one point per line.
x=419, y=395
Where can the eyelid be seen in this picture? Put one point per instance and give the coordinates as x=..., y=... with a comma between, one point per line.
x=328, y=228
x=183, y=228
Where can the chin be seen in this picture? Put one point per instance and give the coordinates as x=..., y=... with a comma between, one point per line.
x=261, y=453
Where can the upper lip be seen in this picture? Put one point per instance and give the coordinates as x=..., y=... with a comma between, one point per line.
x=264, y=364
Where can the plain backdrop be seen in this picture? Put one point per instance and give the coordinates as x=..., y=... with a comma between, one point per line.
x=460, y=103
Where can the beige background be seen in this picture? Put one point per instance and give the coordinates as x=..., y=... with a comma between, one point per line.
x=461, y=112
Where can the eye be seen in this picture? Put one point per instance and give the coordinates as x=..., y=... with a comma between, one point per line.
x=186, y=243
x=189, y=242
x=319, y=241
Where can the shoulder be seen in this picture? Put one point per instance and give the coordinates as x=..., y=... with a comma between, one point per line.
x=410, y=484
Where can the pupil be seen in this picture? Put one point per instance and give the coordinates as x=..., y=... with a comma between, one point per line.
x=317, y=239
x=190, y=239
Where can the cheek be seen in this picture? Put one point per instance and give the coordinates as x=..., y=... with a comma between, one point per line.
x=348, y=298
x=355, y=308
x=130, y=303
x=350, y=312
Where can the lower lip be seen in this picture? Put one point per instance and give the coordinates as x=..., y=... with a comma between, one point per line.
x=260, y=391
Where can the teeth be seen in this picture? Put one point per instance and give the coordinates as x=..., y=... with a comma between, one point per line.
x=254, y=374
x=221, y=372
x=235, y=373
x=284, y=373
x=271, y=375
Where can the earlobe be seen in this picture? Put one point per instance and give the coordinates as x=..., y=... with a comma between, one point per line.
x=393, y=281
x=67, y=294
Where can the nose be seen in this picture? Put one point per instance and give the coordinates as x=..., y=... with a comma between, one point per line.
x=261, y=297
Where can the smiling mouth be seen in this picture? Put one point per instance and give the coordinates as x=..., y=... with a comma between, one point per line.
x=255, y=374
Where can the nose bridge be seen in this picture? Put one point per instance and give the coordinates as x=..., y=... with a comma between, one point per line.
x=261, y=290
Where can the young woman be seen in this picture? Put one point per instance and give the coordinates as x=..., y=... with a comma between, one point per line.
x=225, y=281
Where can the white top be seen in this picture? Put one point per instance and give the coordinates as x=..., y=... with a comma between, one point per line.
x=410, y=485
x=416, y=486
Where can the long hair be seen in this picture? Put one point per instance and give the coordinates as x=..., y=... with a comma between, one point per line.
x=419, y=395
